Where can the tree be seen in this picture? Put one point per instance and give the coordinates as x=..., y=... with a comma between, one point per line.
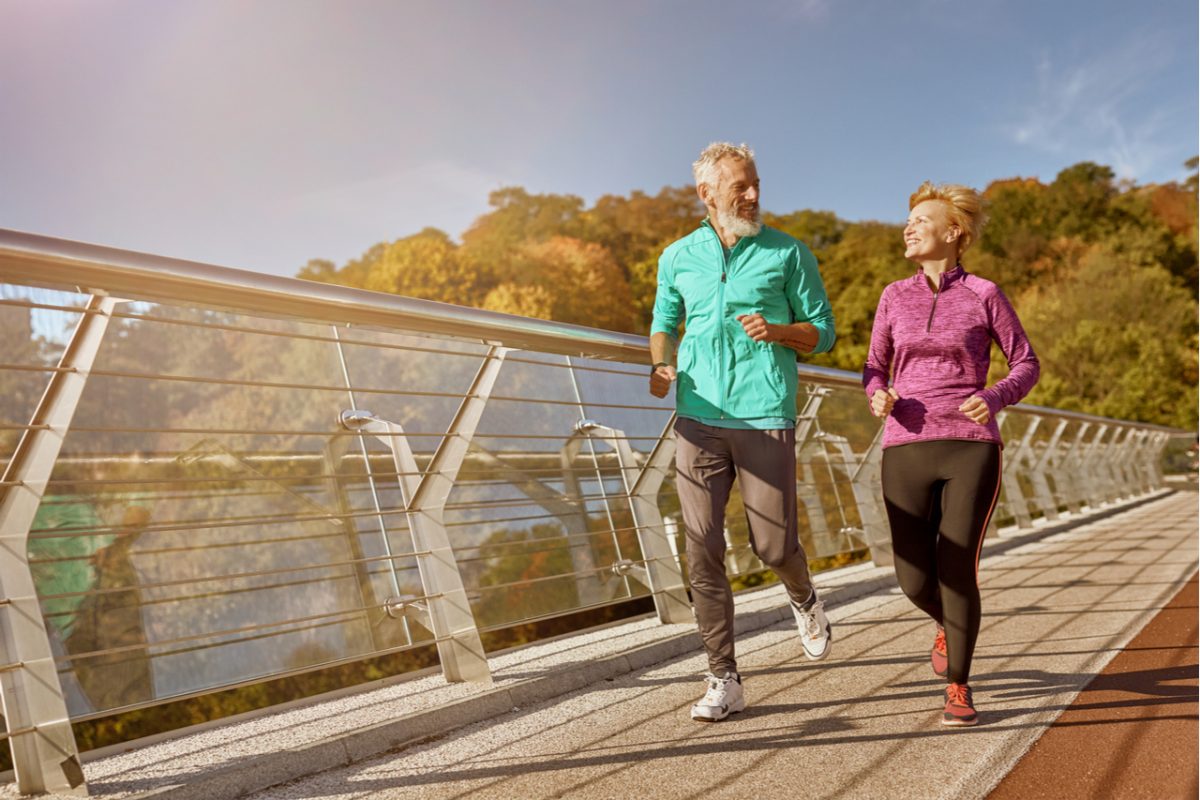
x=638, y=227
x=1078, y=202
x=1114, y=340
x=426, y=265
x=817, y=229
x=518, y=217
x=1017, y=233
x=867, y=257
x=579, y=281
x=318, y=269
x=524, y=300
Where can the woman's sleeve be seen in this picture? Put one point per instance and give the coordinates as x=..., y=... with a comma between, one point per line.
x=878, y=368
x=1023, y=365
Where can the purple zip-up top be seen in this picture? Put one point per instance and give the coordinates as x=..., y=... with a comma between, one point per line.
x=937, y=348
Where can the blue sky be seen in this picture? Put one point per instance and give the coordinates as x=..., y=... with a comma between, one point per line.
x=262, y=133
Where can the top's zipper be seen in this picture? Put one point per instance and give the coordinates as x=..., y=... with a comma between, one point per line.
x=721, y=335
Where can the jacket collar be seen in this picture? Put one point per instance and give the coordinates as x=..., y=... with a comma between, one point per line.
x=707, y=223
x=949, y=277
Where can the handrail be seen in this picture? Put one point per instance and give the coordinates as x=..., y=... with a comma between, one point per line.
x=48, y=261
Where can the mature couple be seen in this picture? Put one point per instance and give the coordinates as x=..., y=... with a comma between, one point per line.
x=751, y=298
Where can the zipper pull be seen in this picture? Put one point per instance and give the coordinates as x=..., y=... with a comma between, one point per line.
x=722, y=276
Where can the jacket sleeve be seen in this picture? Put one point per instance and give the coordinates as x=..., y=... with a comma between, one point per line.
x=809, y=303
x=668, y=305
x=878, y=368
x=1023, y=365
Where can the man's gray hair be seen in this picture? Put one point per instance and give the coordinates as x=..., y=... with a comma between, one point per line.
x=704, y=170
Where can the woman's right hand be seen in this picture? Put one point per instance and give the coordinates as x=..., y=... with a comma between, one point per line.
x=882, y=401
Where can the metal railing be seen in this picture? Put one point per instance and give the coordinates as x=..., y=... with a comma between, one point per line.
x=215, y=477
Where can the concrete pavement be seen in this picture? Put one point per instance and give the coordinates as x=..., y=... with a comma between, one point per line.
x=604, y=713
x=862, y=725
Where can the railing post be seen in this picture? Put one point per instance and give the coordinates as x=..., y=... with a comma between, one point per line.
x=867, y=485
x=1037, y=478
x=1089, y=469
x=1131, y=464
x=1152, y=460
x=662, y=566
x=1046, y=463
x=448, y=610
x=1014, y=498
x=1069, y=474
x=809, y=438
x=45, y=756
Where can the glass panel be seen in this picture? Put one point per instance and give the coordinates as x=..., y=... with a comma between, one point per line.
x=170, y=562
x=437, y=373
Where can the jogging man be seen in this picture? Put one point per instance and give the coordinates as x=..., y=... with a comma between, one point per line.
x=752, y=298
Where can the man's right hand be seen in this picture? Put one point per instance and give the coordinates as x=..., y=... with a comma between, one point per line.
x=661, y=379
x=882, y=402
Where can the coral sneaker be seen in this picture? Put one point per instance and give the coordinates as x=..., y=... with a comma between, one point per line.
x=960, y=710
x=723, y=697
x=937, y=656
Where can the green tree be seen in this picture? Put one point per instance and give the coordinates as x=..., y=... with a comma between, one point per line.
x=426, y=265
x=1079, y=200
x=1114, y=340
x=867, y=257
x=319, y=269
x=580, y=280
x=817, y=229
x=518, y=217
x=637, y=227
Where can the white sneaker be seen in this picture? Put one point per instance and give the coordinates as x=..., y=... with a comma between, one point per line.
x=724, y=697
x=816, y=635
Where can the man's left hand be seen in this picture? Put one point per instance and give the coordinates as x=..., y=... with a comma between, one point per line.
x=976, y=410
x=757, y=328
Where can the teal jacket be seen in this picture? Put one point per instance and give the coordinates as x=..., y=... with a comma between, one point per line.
x=722, y=372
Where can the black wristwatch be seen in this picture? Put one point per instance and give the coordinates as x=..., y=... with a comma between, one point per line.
x=658, y=364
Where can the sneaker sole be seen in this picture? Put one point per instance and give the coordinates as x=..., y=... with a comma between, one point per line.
x=959, y=723
x=732, y=710
x=828, y=647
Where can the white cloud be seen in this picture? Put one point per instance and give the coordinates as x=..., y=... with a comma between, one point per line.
x=1089, y=110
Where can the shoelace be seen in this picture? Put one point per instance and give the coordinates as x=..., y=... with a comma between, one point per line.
x=810, y=620
x=959, y=694
x=716, y=690
x=939, y=641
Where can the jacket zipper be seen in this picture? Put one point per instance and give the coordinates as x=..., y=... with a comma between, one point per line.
x=721, y=337
x=933, y=307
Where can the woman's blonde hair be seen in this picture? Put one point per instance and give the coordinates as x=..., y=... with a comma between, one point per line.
x=964, y=207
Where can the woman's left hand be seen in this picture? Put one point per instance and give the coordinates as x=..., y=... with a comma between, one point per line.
x=976, y=410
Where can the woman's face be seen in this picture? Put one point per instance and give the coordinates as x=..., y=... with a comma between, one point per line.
x=929, y=234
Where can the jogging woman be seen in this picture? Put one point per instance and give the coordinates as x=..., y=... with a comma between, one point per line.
x=932, y=340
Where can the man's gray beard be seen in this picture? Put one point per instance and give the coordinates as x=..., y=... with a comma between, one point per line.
x=739, y=227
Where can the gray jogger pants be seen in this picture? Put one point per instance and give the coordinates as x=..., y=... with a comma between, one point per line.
x=707, y=459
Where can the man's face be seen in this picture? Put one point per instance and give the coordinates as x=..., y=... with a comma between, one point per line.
x=734, y=200
x=736, y=192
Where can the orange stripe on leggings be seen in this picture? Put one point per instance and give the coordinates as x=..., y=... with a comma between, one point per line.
x=988, y=518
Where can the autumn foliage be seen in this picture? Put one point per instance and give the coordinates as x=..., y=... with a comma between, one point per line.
x=1103, y=273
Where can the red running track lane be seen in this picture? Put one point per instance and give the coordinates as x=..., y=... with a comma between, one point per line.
x=1133, y=732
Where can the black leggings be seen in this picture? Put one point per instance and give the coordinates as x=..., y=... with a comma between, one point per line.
x=939, y=497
